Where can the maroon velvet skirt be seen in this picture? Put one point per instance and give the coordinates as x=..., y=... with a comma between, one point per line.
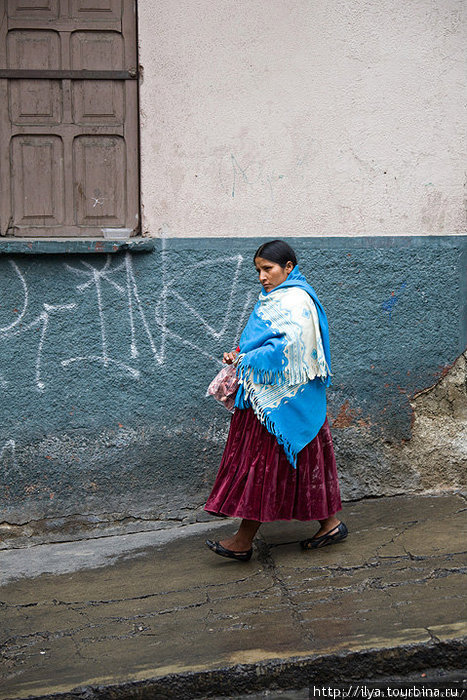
x=255, y=480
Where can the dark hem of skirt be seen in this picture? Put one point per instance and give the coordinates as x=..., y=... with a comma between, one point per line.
x=274, y=520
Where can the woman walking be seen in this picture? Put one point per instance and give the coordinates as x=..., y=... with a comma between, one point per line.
x=278, y=462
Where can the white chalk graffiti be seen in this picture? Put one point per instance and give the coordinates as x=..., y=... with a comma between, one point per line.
x=25, y=298
x=95, y=278
x=153, y=323
x=43, y=319
x=16, y=327
x=135, y=308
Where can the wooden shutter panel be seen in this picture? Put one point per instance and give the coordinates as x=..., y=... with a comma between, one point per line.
x=68, y=117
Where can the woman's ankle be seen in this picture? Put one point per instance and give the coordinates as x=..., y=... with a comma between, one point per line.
x=329, y=523
x=237, y=544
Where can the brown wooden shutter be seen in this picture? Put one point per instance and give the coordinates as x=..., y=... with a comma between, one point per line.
x=68, y=117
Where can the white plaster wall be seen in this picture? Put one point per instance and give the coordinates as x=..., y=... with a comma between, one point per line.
x=302, y=117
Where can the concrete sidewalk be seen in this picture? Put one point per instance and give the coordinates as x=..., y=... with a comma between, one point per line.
x=157, y=615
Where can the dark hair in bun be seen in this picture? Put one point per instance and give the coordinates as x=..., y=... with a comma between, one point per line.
x=276, y=251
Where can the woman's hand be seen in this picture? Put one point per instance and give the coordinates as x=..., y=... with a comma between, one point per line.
x=229, y=357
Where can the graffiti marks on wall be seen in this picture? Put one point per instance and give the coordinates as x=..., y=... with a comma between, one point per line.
x=41, y=321
x=94, y=279
x=146, y=322
x=256, y=176
x=19, y=318
x=389, y=304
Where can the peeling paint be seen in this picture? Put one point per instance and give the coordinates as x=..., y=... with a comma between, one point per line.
x=344, y=417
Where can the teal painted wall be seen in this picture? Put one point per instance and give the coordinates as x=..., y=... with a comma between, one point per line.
x=105, y=361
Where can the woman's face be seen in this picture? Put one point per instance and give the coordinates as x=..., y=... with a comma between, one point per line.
x=271, y=274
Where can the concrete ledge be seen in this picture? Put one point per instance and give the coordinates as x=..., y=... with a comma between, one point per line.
x=52, y=246
x=346, y=669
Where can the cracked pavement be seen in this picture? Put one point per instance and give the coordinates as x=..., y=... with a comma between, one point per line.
x=157, y=612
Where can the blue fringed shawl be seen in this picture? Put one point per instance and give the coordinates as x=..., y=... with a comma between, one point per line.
x=285, y=364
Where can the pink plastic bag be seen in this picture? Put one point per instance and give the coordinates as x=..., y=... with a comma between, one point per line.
x=224, y=387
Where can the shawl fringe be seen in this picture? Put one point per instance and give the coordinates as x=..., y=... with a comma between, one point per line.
x=278, y=377
x=265, y=420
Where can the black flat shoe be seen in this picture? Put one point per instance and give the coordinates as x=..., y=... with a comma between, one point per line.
x=217, y=548
x=337, y=534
